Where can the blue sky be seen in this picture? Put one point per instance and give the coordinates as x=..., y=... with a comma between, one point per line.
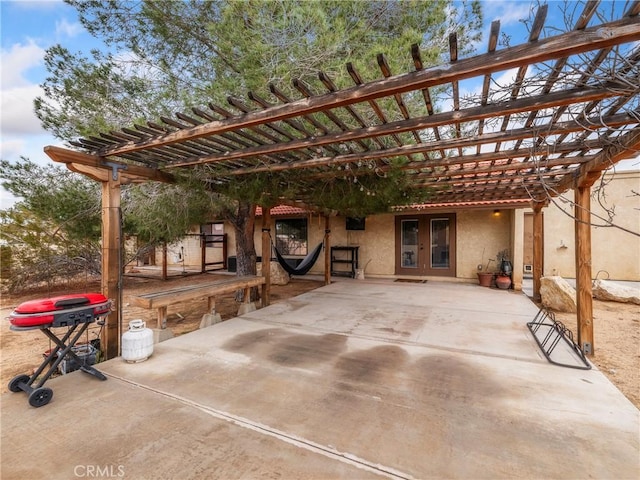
x=29, y=27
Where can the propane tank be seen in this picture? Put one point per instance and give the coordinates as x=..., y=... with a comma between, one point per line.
x=137, y=343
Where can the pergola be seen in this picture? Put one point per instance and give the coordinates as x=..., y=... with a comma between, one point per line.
x=570, y=111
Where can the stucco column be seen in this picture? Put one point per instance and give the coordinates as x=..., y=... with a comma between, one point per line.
x=538, y=250
x=517, y=247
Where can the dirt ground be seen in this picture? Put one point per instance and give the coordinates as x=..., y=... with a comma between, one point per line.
x=616, y=332
x=21, y=352
x=616, y=326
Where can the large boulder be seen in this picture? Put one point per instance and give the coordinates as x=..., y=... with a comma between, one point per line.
x=557, y=294
x=278, y=275
x=612, y=292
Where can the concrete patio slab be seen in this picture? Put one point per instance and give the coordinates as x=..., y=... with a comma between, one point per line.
x=354, y=380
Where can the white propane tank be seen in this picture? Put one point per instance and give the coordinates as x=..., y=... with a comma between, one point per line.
x=137, y=343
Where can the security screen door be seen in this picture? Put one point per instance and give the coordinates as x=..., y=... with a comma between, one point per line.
x=425, y=245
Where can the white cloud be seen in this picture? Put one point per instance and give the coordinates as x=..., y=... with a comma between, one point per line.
x=6, y=199
x=18, y=60
x=12, y=147
x=17, y=114
x=509, y=12
x=66, y=29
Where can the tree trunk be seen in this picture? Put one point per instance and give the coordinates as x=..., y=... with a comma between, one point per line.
x=244, y=223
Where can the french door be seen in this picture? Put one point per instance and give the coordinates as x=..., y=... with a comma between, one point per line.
x=426, y=245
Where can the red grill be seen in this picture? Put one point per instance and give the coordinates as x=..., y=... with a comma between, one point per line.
x=75, y=312
x=63, y=311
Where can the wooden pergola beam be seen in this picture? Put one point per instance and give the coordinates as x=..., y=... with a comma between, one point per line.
x=507, y=162
x=546, y=152
x=134, y=173
x=526, y=186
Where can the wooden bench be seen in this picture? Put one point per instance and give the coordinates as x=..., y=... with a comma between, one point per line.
x=161, y=300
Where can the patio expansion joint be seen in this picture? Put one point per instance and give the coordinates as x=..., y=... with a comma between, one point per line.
x=299, y=442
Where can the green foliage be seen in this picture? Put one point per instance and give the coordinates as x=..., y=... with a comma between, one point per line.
x=159, y=213
x=265, y=189
x=351, y=193
x=57, y=196
x=40, y=253
x=53, y=231
x=166, y=55
x=367, y=194
x=80, y=87
x=169, y=55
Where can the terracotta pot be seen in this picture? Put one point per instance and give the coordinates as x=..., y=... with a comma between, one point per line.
x=484, y=278
x=503, y=282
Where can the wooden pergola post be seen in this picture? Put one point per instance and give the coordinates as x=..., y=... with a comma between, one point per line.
x=165, y=273
x=538, y=250
x=111, y=264
x=584, y=294
x=266, y=256
x=203, y=253
x=327, y=250
x=110, y=175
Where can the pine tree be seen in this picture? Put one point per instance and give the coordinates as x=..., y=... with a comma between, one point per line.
x=166, y=56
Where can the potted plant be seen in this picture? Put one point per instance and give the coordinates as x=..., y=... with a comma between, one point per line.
x=485, y=278
x=503, y=277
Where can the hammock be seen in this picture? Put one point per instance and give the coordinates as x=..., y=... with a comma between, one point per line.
x=304, y=266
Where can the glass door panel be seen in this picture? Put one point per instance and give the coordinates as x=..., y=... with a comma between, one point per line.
x=409, y=243
x=440, y=243
x=414, y=233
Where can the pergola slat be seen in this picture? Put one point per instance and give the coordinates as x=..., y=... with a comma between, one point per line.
x=417, y=62
x=475, y=113
x=405, y=150
x=506, y=133
x=572, y=43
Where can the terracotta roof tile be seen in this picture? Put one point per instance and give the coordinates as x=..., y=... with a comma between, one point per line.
x=489, y=203
x=283, y=210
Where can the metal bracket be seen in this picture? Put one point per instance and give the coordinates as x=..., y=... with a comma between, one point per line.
x=114, y=168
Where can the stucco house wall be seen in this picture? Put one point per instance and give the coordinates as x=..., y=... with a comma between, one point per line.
x=480, y=234
x=188, y=251
x=615, y=253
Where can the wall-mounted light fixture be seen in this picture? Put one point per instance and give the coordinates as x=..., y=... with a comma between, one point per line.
x=496, y=213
